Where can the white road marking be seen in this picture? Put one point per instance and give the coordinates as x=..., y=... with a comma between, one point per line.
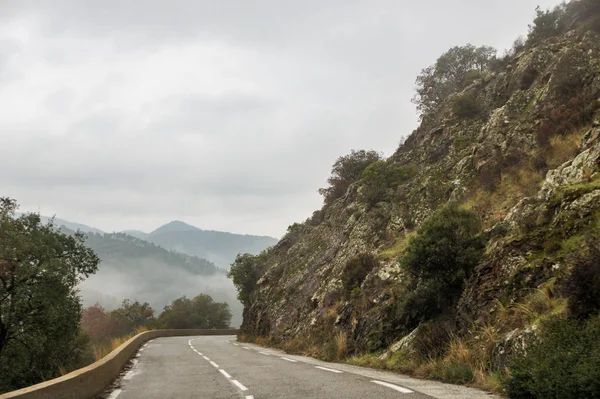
x=236, y=344
x=392, y=386
x=290, y=360
x=200, y=353
x=239, y=385
x=215, y=365
x=265, y=353
x=225, y=373
x=114, y=394
x=245, y=347
x=327, y=369
x=250, y=397
x=206, y=358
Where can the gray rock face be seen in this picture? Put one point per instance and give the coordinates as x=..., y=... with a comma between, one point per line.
x=495, y=165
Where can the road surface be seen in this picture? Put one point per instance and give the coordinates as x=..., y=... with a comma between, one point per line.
x=219, y=367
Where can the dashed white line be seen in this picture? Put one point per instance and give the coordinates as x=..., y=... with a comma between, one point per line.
x=239, y=385
x=328, y=369
x=236, y=344
x=265, y=353
x=215, y=365
x=114, y=394
x=206, y=358
x=245, y=347
x=249, y=397
x=290, y=360
x=392, y=386
x=225, y=373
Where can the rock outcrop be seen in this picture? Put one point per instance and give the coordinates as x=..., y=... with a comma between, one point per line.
x=528, y=164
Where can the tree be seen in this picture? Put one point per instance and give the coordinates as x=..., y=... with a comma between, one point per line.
x=96, y=323
x=39, y=306
x=346, y=170
x=199, y=312
x=130, y=316
x=244, y=272
x=441, y=256
x=452, y=72
x=547, y=23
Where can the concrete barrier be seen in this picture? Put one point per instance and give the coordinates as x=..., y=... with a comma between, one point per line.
x=88, y=382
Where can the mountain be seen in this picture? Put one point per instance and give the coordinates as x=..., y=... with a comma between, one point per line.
x=138, y=269
x=71, y=225
x=219, y=247
x=517, y=147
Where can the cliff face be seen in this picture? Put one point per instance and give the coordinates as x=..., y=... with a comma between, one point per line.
x=528, y=163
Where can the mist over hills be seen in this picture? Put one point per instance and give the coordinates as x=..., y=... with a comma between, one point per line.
x=174, y=260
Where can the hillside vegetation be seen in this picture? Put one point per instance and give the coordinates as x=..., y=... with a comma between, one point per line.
x=473, y=245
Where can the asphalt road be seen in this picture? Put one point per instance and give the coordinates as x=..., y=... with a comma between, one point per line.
x=219, y=367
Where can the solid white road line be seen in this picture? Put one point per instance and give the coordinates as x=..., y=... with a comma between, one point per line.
x=392, y=386
x=225, y=373
x=239, y=385
x=114, y=394
x=290, y=360
x=215, y=365
x=327, y=369
x=265, y=353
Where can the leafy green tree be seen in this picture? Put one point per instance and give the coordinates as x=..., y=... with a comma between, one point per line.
x=452, y=72
x=39, y=305
x=130, y=316
x=345, y=171
x=547, y=23
x=441, y=256
x=245, y=272
x=199, y=312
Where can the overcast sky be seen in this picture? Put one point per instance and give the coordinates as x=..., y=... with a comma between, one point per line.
x=224, y=114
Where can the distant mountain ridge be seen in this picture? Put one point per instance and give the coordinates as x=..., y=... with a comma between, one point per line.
x=217, y=247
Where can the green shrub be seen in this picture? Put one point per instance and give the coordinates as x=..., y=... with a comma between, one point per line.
x=441, y=256
x=564, y=364
x=356, y=271
x=381, y=177
x=467, y=106
x=583, y=285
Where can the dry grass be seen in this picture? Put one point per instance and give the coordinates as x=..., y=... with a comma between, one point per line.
x=397, y=248
x=100, y=351
x=563, y=148
x=514, y=185
x=341, y=344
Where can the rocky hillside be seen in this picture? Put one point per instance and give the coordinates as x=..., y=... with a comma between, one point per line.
x=519, y=147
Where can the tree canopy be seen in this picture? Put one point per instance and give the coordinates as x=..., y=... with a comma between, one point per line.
x=346, y=170
x=39, y=306
x=244, y=272
x=199, y=312
x=452, y=72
